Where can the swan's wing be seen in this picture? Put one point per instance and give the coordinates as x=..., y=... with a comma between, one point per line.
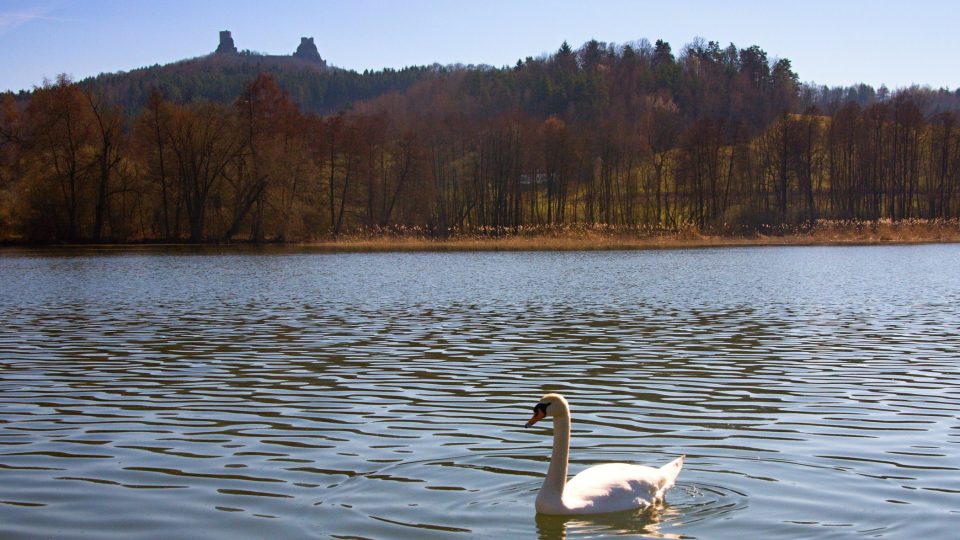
x=613, y=487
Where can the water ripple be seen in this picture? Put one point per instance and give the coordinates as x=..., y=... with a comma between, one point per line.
x=380, y=396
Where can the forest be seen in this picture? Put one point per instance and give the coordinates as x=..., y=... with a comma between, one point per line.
x=635, y=136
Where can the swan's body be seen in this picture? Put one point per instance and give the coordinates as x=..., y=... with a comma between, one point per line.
x=610, y=487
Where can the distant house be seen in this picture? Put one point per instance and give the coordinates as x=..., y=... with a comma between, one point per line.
x=535, y=179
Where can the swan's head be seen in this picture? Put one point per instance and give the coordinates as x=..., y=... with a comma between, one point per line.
x=549, y=405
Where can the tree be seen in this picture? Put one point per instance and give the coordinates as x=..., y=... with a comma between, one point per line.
x=557, y=150
x=60, y=161
x=204, y=139
x=944, y=165
x=785, y=87
x=152, y=136
x=264, y=115
x=11, y=145
x=110, y=136
x=662, y=131
x=664, y=66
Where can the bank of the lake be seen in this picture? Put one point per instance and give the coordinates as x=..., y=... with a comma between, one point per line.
x=582, y=238
x=577, y=237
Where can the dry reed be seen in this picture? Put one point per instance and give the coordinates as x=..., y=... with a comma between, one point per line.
x=605, y=237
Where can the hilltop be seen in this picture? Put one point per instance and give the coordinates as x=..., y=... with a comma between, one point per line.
x=320, y=88
x=222, y=74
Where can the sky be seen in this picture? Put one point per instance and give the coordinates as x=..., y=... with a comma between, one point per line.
x=837, y=42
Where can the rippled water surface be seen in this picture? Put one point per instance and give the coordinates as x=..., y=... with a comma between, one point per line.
x=172, y=394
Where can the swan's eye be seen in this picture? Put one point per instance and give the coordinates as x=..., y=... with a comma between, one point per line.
x=541, y=407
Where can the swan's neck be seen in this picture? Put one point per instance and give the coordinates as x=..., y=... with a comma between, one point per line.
x=557, y=473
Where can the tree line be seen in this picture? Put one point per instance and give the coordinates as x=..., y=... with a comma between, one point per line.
x=718, y=138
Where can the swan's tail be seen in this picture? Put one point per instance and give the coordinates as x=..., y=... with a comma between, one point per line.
x=669, y=473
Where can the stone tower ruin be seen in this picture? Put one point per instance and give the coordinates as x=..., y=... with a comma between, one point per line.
x=308, y=51
x=226, y=43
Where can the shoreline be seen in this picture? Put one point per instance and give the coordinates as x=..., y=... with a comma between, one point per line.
x=610, y=243
x=577, y=239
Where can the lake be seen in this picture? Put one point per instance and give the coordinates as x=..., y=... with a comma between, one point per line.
x=175, y=393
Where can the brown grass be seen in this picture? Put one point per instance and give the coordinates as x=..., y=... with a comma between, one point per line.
x=618, y=238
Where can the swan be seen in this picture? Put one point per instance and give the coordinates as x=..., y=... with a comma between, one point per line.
x=609, y=487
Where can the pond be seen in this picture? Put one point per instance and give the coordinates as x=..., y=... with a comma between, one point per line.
x=171, y=393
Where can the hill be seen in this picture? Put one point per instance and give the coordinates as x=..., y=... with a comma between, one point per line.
x=319, y=88
x=222, y=75
x=634, y=137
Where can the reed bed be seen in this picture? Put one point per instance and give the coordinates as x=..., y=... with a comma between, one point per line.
x=619, y=237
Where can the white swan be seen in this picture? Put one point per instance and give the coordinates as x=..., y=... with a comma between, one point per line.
x=610, y=487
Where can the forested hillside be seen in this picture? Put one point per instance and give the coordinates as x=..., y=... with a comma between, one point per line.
x=221, y=78
x=635, y=136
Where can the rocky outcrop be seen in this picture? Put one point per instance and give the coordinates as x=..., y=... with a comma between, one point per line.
x=226, y=43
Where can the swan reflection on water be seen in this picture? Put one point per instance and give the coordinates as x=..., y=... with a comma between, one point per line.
x=645, y=522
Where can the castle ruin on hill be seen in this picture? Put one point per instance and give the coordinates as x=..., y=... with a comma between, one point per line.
x=307, y=50
x=226, y=43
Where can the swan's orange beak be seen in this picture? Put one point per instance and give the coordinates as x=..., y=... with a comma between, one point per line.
x=538, y=415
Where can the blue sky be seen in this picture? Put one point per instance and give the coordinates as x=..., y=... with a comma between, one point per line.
x=838, y=42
